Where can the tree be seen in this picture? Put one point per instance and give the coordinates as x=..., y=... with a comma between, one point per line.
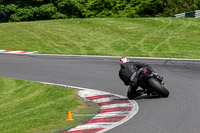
x=197, y=4
x=178, y=6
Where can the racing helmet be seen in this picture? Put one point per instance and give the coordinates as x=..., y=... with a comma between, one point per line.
x=124, y=60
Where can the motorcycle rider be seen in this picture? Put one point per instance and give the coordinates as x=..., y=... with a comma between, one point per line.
x=129, y=73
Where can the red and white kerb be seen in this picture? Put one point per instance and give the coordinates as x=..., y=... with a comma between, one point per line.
x=113, y=110
x=17, y=52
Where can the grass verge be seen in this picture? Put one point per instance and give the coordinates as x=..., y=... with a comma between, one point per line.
x=33, y=107
x=145, y=37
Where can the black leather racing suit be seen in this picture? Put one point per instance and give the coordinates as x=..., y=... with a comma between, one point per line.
x=128, y=73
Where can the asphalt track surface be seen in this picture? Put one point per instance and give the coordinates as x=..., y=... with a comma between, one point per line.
x=179, y=113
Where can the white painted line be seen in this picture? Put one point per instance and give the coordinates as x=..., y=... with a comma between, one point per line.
x=96, y=56
x=104, y=99
x=116, y=105
x=89, y=126
x=92, y=126
x=117, y=57
x=112, y=114
x=92, y=93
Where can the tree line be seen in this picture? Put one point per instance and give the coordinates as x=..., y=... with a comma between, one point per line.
x=30, y=10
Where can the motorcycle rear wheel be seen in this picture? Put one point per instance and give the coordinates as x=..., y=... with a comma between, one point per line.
x=154, y=84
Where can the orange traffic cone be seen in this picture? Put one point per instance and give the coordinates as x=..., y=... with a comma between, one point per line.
x=69, y=116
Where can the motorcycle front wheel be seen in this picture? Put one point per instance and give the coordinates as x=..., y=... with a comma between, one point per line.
x=154, y=84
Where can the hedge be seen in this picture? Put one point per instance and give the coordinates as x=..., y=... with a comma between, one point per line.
x=29, y=10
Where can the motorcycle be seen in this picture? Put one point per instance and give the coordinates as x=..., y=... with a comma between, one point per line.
x=150, y=84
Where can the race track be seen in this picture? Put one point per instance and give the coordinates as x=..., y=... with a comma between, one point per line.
x=180, y=113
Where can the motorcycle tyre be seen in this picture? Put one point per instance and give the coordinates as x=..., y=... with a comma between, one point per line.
x=158, y=87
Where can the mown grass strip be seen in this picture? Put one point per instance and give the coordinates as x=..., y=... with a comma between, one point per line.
x=145, y=37
x=27, y=106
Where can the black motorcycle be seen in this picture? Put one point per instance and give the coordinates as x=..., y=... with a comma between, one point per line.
x=150, y=84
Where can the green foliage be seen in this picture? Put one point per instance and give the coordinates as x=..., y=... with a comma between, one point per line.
x=8, y=10
x=197, y=4
x=123, y=8
x=22, y=14
x=149, y=8
x=180, y=6
x=72, y=8
x=46, y=11
x=26, y=10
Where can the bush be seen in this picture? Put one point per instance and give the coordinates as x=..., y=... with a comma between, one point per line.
x=47, y=11
x=150, y=8
x=123, y=8
x=197, y=4
x=71, y=8
x=22, y=14
x=26, y=10
x=180, y=6
x=7, y=11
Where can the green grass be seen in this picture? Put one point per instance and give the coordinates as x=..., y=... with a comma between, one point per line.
x=146, y=37
x=33, y=107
